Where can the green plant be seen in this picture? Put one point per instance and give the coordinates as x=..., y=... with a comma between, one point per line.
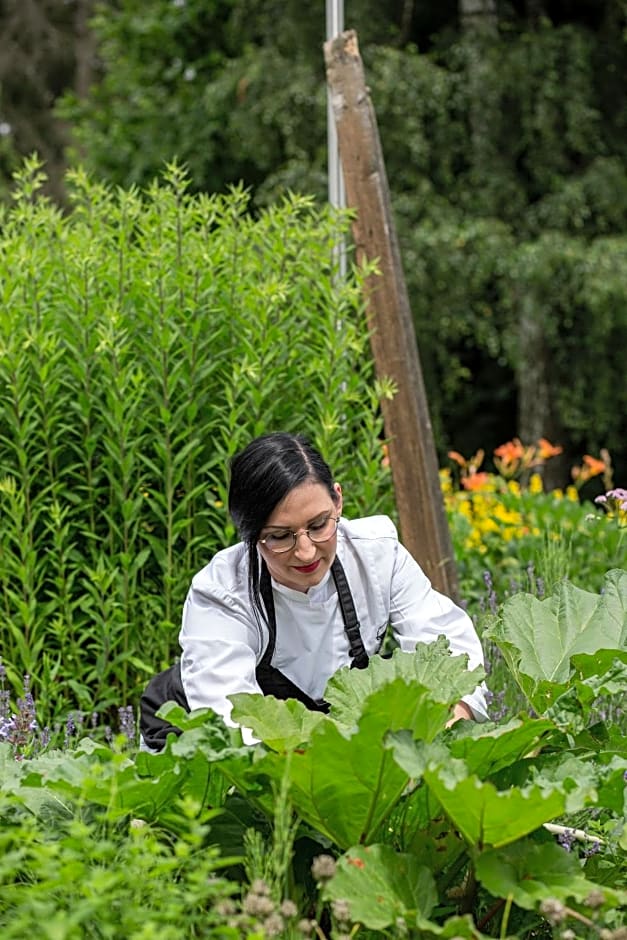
x=512, y=534
x=88, y=873
x=414, y=828
x=429, y=815
x=142, y=343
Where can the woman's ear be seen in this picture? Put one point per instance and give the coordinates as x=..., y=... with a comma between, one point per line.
x=339, y=501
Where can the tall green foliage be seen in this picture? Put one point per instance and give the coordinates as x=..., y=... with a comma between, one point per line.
x=144, y=340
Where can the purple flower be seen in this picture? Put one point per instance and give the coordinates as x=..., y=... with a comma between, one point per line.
x=7, y=727
x=497, y=709
x=592, y=849
x=567, y=839
x=5, y=703
x=492, y=601
x=70, y=730
x=19, y=729
x=127, y=722
x=616, y=497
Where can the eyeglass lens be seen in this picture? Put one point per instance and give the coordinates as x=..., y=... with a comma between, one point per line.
x=318, y=532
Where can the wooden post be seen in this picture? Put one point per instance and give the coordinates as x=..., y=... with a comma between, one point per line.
x=413, y=458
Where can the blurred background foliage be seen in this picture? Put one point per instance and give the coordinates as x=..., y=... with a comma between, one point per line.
x=504, y=130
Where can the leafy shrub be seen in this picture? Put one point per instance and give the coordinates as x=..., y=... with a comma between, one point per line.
x=144, y=338
x=511, y=535
x=514, y=827
x=78, y=872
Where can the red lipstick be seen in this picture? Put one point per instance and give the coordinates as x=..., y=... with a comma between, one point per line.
x=307, y=569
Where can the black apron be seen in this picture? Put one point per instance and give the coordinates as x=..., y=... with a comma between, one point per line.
x=167, y=686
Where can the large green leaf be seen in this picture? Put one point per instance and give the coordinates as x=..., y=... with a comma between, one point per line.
x=431, y=664
x=36, y=797
x=430, y=670
x=381, y=885
x=95, y=774
x=487, y=749
x=419, y=825
x=576, y=779
x=531, y=872
x=481, y=813
x=607, y=666
x=149, y=787
x=343, y=781
x=540, y=638
x=613, y=788
x=281, y=725
x=352, y=782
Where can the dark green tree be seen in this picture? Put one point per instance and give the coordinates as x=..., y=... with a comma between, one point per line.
x=46, y=49
x=504, y=129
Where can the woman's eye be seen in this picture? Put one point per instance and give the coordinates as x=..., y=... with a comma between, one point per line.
x=318, y=526
x=280, y=536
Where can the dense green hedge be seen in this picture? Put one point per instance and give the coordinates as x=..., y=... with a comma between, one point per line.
x=144, y=339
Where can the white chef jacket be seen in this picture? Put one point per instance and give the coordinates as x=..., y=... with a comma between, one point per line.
x=222, y=643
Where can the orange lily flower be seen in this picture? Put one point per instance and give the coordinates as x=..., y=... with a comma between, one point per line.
x=546, y=449
x=593, y=465
x=457, y=457
x=510, y=452
x=475, y=481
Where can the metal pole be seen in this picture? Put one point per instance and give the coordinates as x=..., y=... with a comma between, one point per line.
x=337, y=194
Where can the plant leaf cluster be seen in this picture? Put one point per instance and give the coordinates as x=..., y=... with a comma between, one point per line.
x=144, y=339
x=428, y=823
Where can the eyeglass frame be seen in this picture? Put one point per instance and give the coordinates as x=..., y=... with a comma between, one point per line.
x=295, y=535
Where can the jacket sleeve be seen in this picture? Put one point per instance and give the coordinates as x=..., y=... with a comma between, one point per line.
x=220, y=642
x=419, y=614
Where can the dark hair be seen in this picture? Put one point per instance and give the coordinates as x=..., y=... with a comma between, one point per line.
x=261, y=476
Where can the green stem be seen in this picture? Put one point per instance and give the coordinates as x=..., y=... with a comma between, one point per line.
x=506, y=913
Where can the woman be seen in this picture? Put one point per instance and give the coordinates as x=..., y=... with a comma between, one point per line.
x=303, y=593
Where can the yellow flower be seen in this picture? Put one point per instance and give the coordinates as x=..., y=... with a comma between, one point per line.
x=509, y=533
x=446, y=482
x=465, y=510
x=489, y=525
x=535, y=484
x=508, y=516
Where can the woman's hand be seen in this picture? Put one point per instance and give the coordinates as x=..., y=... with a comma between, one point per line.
x=461, y=710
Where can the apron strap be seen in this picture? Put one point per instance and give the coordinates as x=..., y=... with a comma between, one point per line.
x=349, y=614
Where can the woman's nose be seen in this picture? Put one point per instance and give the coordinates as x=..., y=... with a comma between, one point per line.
x=305, y=548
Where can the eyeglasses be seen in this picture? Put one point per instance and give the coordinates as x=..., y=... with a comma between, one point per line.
x=285, y=539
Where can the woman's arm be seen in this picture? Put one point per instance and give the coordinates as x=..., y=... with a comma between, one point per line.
x=220, y=644
x=419, y=614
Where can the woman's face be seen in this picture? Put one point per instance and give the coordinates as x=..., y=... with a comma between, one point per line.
x=306, y=564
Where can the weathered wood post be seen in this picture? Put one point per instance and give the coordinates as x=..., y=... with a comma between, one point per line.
x=422, y=518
